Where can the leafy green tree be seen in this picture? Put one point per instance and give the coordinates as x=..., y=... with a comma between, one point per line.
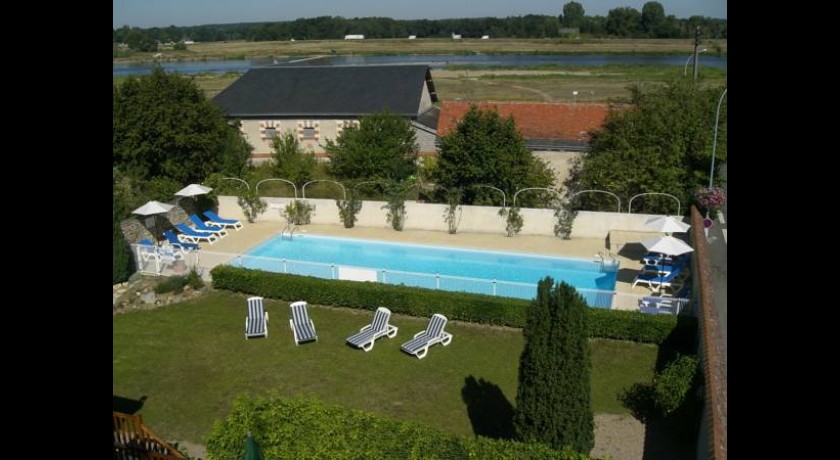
x=290, y=161
x=662, y=143
x=573, y=14
x=654, y=23
x=486, y=149
x=383, y=146
x=624, y=22
x=163, y=125
x=553, y=400
x=138, y=40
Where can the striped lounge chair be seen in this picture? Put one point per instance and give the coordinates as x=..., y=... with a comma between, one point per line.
x=302, y=327
x=256, y=324
x=379, y=327
x=434, y=333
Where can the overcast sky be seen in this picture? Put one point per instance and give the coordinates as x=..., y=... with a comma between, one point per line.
x=163, y=13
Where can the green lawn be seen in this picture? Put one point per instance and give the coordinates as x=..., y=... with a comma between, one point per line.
x=192, y=359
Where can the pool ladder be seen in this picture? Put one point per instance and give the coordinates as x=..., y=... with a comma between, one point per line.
x=608, y=262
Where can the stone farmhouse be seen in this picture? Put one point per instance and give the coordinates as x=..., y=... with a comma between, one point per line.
x=317, y=102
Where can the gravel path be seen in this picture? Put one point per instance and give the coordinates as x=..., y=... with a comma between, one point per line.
x=621, y=437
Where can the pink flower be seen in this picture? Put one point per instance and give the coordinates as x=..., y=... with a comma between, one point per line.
x=712, y=198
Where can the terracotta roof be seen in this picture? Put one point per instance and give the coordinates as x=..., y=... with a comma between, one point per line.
x=534, y=120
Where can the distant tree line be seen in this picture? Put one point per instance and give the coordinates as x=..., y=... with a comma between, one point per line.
x=623, y=22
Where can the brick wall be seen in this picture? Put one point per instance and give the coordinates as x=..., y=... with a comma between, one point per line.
x=712, y=436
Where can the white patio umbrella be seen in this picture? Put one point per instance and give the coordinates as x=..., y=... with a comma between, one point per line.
x=666, y=224
x=193, y=190
x=667, y=245
x=153, y=208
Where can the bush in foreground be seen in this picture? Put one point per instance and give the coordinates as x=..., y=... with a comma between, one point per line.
x=307, y=428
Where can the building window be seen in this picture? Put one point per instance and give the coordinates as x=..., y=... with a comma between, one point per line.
x=268, y=129
x=308, y=130
x=341, y=125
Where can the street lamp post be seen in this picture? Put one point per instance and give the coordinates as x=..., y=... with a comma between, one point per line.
x=714, y=142
x=690, y=57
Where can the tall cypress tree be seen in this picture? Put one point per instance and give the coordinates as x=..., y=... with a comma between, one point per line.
x=553, y=402
x=123, y=260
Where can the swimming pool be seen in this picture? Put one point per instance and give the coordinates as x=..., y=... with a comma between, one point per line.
x=488, y=272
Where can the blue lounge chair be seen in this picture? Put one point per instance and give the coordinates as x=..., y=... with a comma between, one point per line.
x=194, y=236
x=176, y=243
x=434, y=333
x=199, y=225
x=215, y=219
x=379, y=327
x=256, y=324
x=655, y=281
x=302, y=327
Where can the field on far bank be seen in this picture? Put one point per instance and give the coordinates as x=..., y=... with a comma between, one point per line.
x=547, y=84
x=249, y=50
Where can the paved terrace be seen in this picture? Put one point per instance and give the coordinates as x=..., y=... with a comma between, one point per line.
x=254, y=234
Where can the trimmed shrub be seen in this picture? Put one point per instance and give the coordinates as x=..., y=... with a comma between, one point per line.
x=461, y=306
x=194, y=280
x=123, y=266
x=303, y=427
x=666, y=393
x=172, y=284
x=671, y=386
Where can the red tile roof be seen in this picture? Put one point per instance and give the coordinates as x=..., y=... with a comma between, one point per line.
x=535, y=120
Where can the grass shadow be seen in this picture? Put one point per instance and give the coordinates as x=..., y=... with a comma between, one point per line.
x=490, y=413
x=128, y=405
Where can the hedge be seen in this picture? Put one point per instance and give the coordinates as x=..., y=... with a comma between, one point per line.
x=303, y=428
x=461, y=306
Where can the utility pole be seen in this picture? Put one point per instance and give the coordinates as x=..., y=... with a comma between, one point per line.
x=696, y=55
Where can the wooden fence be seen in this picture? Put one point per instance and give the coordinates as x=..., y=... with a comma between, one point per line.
x=133, y=441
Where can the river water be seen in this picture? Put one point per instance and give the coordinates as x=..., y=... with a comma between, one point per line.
x=434, y=61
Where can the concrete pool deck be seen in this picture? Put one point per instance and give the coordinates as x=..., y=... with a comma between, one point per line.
x=252, y=235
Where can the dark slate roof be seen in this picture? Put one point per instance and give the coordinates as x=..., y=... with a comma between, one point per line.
x=326, y=91
x=430, y=118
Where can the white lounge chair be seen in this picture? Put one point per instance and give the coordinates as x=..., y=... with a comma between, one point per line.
x=434, y=333
x=379, y=327
x=256, y=324
x=302, y=327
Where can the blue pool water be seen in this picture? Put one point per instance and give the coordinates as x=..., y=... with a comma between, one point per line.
x=516, y=274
